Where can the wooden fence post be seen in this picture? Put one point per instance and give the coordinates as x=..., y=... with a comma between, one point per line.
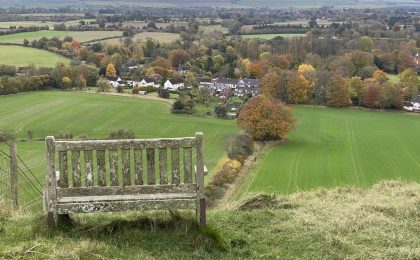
x=14, y=180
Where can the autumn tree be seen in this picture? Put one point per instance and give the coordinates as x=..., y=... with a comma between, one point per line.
x=110, y=70
x=270, y=83
x=380, y=76
x=338, y=92
x=297, y=89
x=203, y=95
x=265, y=118
x=409, y=82
x=371, y=97
x=357, y=89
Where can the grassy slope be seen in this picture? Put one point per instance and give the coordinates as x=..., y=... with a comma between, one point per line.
x=342, y=223
x=47, y=113
x=332, y=147
x=21, y=56
x=80, y=36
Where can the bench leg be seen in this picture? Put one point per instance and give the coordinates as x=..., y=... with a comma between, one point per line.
x=203, y=212
x=52, y=219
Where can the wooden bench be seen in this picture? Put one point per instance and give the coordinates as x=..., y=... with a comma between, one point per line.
x=124, y=175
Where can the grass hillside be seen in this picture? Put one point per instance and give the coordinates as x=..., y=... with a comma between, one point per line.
x=22, y=56
x=95, y=115
x=334, y=147
x=341, y=223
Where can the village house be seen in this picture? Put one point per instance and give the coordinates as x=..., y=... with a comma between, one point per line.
x=226, y=87
x=172, y=84
x=116, y=82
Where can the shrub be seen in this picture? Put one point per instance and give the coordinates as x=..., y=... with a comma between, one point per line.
x=163, y=93
x=148, y=89
x=239, y=147
x=220, y=111
x=121, y=134
x=64, y=135
x=180, y=107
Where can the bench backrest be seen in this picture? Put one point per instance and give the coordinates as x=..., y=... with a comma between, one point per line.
x=107, y=167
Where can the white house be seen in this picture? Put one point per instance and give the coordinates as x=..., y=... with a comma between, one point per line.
x=173, y=84
x=116, y=82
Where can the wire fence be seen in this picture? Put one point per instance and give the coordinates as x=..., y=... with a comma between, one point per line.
x=19, y=187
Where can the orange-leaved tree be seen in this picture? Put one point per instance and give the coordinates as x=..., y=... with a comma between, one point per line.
x=266, y=118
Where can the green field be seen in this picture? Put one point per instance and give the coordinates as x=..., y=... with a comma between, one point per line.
x=40, y=23
x=334, y=147
x=94, y=115
x=80, y=36
x=269, y=36
x=22, y=56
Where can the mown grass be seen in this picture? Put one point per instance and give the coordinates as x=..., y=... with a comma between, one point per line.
x=80, y=36
x=334, y=147
x=340, y=223
x=22, y=56
x=95, y=115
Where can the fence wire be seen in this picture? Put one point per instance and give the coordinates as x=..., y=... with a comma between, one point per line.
x=28, y=186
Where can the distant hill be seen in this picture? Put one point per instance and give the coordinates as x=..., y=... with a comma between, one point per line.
x=212, y=3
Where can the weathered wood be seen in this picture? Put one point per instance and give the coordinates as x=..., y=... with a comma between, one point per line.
x=129, y=190
x=138, y=167
x=125, y=144
x=100, y=164
x=113, y=167
x=89, y=167
x=116, y=206
x=187, y=165
x=127, y=198
x=75, y=166
x=14, y=178
x=65, y=200
x=51, y=183
x=175, y=166
x=200, y=164
x=163, y=165
x=125, y=154
x=203, y=212
x=200, y=178
x=63, y=180
x=150, y=156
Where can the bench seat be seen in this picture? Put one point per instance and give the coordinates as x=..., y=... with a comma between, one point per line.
x=115, y=203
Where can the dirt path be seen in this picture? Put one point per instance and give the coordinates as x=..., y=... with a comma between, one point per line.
x=259, y=147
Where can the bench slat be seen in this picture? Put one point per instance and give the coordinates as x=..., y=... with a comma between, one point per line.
x=138, y=166
x=187, y=165
x=119, y=190
x=113, y=167
x=126, y=198
x=100, y=162
x=75, y=165
x=63, y=181
x=117, y=206
x=124, y=144
x=89, y=167
x=163, y=166
x=125, y=154
x=175, y=166
x=150, y=154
